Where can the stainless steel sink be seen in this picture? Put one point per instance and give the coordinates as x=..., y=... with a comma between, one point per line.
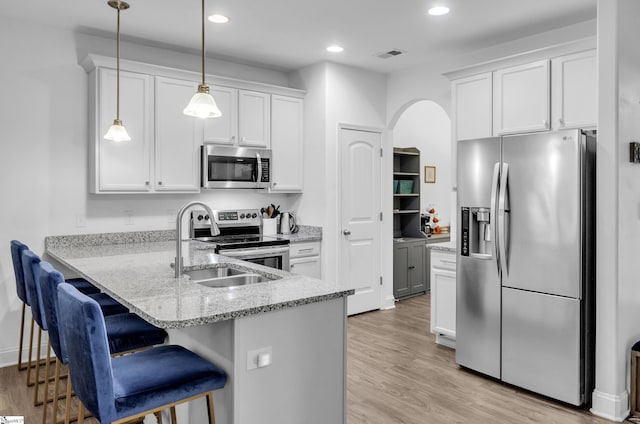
x=197, y=275
x=235, y=280
x=226, y=277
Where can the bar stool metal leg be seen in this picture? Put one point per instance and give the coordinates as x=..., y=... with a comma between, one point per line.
x=20, y=366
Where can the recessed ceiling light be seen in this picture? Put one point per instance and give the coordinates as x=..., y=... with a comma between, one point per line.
x=218, y=19
x=438, y=11
x=335, y=49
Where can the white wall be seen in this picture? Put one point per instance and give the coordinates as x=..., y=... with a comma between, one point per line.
x=43, y=159
x=337, y=95
x=618, y=191
x=426, y=125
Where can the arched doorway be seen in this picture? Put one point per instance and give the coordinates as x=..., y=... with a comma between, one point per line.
x=426, y=125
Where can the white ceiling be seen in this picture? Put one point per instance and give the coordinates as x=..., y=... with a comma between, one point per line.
x=290, y=34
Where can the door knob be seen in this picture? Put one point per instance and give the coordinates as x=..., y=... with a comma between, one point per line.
x=346, y=232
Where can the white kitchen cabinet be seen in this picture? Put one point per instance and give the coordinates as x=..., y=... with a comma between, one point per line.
x=254, y=119
x=163, y=154
x=472, y=106
x=223, y=129
x=574, y=90
x=443, y=296
x=121, y=166
x=521, y=98
x=304, y=258
x=178, y=137
x=287, y=144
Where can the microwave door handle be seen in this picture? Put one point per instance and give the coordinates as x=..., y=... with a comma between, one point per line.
x=259, y=175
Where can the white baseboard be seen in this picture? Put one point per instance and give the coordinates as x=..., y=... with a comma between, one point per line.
x=610, y=407
x=388, y=302
x=9, y=357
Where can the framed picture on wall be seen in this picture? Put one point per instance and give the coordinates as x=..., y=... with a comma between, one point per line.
x=429, y=174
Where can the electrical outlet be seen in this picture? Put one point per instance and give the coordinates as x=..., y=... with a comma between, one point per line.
x=171, y=216
x=81, y=221
x=128, y=217
x=634, y=152
x=259, y=358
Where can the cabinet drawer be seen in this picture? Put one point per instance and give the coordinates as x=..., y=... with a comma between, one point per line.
x=443, y=260
x=297, y=250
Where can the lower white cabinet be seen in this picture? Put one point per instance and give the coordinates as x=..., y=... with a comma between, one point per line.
x=443, y=296
x=304, y=259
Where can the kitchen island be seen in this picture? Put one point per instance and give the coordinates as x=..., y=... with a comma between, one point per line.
x=295, y=325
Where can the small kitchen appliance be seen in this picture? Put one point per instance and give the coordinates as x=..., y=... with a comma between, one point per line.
x=235, y=167
x=288, y=223
x=240, y=237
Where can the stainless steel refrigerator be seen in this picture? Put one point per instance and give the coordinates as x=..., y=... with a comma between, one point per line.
x=526, y=261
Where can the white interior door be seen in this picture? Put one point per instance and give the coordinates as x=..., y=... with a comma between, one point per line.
x=360, y=217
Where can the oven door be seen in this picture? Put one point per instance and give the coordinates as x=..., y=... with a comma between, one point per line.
x=235, y=167
x=271, y=256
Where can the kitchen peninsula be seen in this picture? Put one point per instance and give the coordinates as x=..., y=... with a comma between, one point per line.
x=296, y=325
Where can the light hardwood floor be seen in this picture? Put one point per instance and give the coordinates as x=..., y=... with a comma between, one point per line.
x=395, y=374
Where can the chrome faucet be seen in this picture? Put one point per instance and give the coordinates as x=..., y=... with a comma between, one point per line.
x=214, y=232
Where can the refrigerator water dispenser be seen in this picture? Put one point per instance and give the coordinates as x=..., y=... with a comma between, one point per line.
x=476, y=232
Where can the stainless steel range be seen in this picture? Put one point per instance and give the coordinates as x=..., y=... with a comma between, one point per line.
x=241, y=237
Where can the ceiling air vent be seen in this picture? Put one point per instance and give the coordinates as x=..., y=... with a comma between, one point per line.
x=390, y=53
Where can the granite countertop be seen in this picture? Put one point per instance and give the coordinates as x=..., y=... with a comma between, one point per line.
x=135, y=269
x=304, y=233
x=449, y=246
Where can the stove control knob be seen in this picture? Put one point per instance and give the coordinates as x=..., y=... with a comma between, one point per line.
x=206, y=217
x=241, y=216
x=254, y=215
x=200, y=217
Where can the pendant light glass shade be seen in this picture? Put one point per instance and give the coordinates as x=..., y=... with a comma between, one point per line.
x=202, y=104
x=117, y=131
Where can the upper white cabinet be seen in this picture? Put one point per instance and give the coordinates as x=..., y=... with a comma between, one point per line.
x=178, y=137
x=224, y=129
x=162, y=154
x=521, y=98
x=472, y=106
x=287, y=144
x=254, y=119
x=121, y=166
x=574, y=93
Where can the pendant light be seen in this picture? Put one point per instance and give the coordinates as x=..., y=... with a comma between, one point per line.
x=117, y=131
x=202, y=104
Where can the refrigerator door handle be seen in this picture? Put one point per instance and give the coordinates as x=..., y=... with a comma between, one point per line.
x=492, y=211
x=502, y=220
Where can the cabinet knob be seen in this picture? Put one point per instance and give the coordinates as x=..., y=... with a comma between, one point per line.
x=346, y=232
x=412, y=267
x=146, y=183
x=159, y=182
x=292, y=266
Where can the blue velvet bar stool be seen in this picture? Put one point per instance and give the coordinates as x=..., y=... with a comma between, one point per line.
x=125, y=332
x=16, y=256
x=116, y=390
x=31, y=268
x=17, y=248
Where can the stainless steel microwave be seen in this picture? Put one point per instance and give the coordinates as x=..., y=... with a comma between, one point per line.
x=235, y=167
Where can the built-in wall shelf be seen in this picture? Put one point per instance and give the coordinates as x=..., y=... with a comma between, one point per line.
x=406, y=196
